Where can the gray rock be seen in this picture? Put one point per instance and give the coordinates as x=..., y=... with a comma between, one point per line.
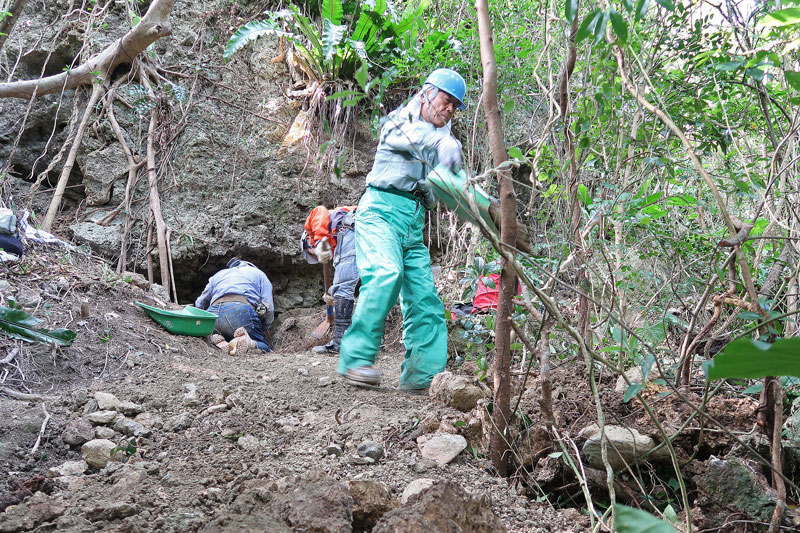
x=136, y=279
x=104, y=432
x=458, y=392
x=443, y=447
x=77, y=431
x=734, y=484
x=149, y=420
x=190, y=398
x=179, y=423
x=424, y=465
x=334, y=449
x=371, y=500
x=97, y=452
x=99, y=238
x=106, y=401
x=371, y=449
x=358, y=460
x=634, y=376
x=625, y=445
x=27, y=298
x=70, y=468
x=128, y=480
x=90, y=406
x=103, y=417
x=26, y=516
x=129, y=408
x=416, y=487
x=445, y=506
x=101, y=168
x=129, y=427
x=248, y=442
x=113, y=511
x=5, y=286
x=319, y=505
x=159, y=291
x=324, y=381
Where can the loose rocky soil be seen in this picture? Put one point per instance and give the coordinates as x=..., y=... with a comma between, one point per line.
x=233, y=443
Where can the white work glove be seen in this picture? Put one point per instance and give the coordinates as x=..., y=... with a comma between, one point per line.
x=328, y=299
x=323, y=251
x=448, y=150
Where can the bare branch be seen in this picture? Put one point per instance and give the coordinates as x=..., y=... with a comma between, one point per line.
x=152, y=27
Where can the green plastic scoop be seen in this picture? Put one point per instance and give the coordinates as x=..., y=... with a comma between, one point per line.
x=187, y=321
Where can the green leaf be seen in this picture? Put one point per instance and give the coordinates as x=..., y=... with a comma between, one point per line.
x=583, y=194
x=749, y=315
x=641, y=8
x=628, y=5
x=249, y=33
x=782, y=17
x=332, y=35
x=362, y=75
x=18, y=324
x=793, y=79
x=459, y=423
x=570, y=9
x=587, y=26
x=746, y=358
x=632, y=390
x=666, y=4
x=619, y=25
x=332, y=10
x=600, y=27
x=515, y=153
x=728, y=66
x=508, y=107
x=630, y=520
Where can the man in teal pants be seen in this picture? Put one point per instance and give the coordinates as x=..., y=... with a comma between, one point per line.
x=391, y=255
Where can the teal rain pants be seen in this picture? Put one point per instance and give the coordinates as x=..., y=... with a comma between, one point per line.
x=393, y=260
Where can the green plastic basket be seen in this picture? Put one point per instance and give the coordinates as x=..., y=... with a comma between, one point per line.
x=187, y=321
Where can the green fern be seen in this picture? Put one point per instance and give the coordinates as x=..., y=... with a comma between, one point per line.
x=332, y=35
x=249, y=33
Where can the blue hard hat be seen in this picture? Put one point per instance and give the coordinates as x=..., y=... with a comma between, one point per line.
x=450, y=82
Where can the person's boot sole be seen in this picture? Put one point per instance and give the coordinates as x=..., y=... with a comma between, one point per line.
x=358, y=383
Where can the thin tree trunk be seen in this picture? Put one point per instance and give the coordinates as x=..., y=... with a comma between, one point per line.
x=8, y=23
x=500, y=440
x=55, y=203
x=155, y=205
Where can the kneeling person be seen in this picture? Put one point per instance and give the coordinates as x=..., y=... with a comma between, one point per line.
x=241, y=295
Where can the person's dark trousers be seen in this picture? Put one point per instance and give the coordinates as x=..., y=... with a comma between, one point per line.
x=234, y=315
x=343, y=310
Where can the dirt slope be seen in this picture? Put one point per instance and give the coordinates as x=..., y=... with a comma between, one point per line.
x=283, y=425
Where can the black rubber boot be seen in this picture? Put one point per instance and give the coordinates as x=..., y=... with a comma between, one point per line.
x=343, y=316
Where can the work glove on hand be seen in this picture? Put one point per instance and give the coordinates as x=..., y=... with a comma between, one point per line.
x=448, y=150
x=262, y=309
x=328, y=299
x=323, y=251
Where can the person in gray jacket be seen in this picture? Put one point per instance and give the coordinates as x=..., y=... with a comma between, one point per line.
x=241, y=295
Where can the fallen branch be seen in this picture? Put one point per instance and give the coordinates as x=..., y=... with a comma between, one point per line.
x=41, y=431
x=10, y=357
x=150, y=28
x=20, y=395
